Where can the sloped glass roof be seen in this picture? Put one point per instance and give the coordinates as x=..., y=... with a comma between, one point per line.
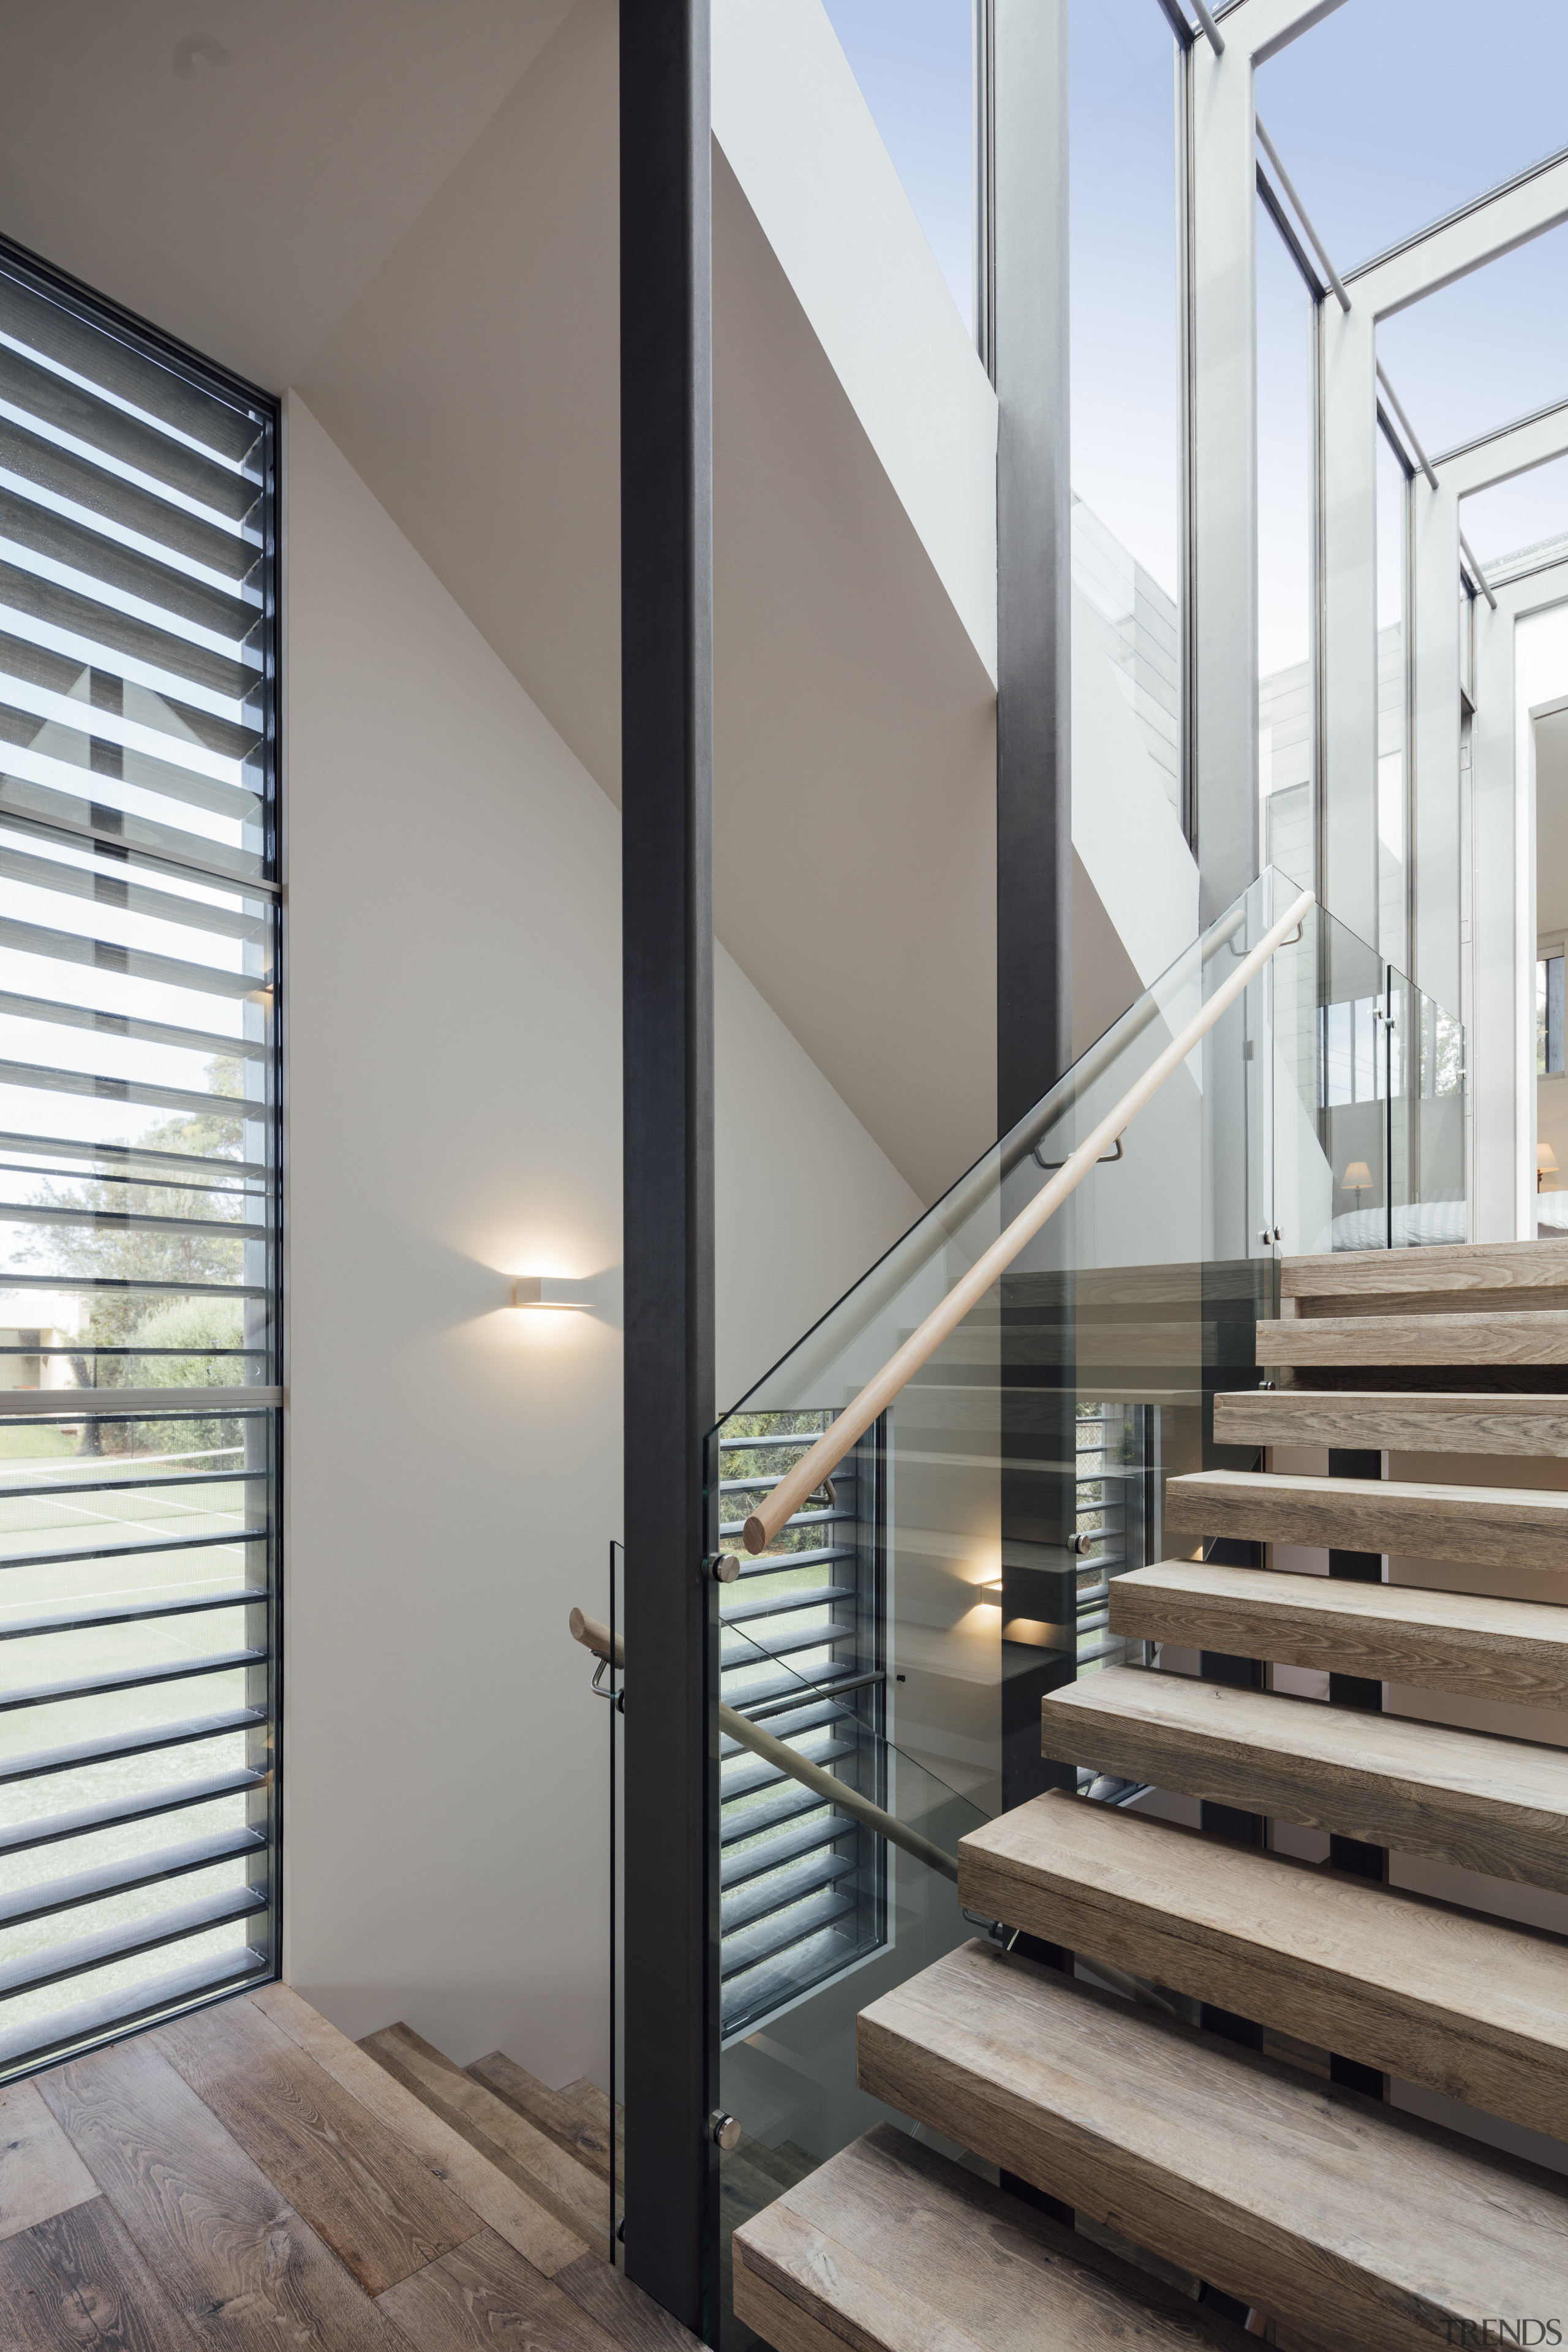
x=1393, y=113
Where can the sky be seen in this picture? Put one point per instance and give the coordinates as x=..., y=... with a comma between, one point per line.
x=1392, y=113
x=1389, y=114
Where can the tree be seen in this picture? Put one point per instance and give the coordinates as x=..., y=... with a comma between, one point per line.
x=119, y=1319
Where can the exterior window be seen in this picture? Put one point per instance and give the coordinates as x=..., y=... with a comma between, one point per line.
x=805, y=1885
x=139, y=1420
x=1549, y=1014
x=1285, y=681
x=1393, y=817
x=1127, y=360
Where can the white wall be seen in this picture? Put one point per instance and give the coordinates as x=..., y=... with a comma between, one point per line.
x=453, y=1466
x=805, y=1201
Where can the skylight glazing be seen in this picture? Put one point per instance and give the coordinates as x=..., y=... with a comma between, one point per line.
x=1393, y=113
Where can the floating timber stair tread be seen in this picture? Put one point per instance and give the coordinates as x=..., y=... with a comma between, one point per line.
x=1448, y=1269
x=1474, y=2008
x=1492, y=1337
x=890, y=2247
x=1436, y=1420
x=1468, y=1797
x=1324, y=2210
x=1471, y=1641
x=565, y=2187
x=1487, y=1526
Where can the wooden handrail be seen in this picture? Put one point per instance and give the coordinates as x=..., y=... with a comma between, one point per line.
x=595, y=1636
x=879, y=1394
x=834, y=1792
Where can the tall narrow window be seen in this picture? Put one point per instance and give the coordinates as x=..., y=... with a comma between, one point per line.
x=1127, y=359
x=1285, y=694
x=139, y=1156
x=1392, y=814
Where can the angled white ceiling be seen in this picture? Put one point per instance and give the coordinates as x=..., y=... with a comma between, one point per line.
x=409, y=212
x=238, y=173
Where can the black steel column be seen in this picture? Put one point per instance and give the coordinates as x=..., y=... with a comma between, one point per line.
x=1022, y=317
x=1022, y=305
x=1024, y=336
x=670, y=2009
x=1236, y=1295
x=1362, y=1691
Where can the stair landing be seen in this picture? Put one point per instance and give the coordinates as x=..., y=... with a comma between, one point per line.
x=248, y=2163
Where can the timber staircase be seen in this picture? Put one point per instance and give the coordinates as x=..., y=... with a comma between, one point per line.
x=1318, y=2212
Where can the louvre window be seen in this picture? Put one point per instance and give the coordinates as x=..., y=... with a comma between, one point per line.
x=803, y=1890
x=139, y=1162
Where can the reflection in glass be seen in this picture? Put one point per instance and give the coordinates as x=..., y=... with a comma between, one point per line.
x=1392, y=819
x=1285, y=697
x=1548, y=1015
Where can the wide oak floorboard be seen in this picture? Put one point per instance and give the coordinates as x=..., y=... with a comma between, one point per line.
x=80, y=2279
x=246, y=2271
x=381, y=2213
x=485, y=2294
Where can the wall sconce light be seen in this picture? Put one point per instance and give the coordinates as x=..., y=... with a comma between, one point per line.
x=1545, y=1165
x=1357, y=1178
x=551, y=1290
x=993, y=1591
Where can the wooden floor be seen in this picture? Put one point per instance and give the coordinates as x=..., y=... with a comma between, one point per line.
x=246, y=2177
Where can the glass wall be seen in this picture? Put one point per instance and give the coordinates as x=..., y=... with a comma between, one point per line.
x=1393, y=701
x=1285, y=697
x=1127, y=345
